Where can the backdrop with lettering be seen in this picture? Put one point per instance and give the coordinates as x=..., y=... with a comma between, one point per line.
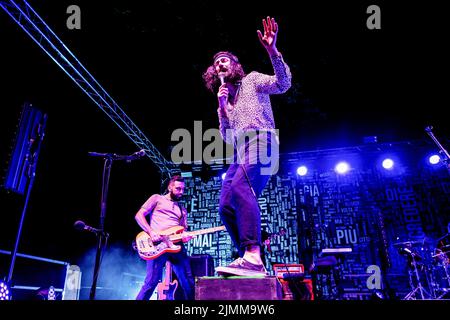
x=341, y=227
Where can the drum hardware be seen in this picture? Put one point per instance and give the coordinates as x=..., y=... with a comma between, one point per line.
x=442, y=151
x=414, y=263
x=441, y=255
x=428, y=268
x=406, y=243
x=418, y=287
x=443, y=288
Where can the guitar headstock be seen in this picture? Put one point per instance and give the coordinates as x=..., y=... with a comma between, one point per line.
x=166, y=287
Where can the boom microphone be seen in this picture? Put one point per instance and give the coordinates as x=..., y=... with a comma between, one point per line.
x=80, y=225
x=134, y=156
x=114, y=156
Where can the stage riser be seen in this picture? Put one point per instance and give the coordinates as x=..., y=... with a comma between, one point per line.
x=237, y=288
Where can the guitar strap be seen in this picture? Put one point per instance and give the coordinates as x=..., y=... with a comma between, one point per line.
x=180, y=206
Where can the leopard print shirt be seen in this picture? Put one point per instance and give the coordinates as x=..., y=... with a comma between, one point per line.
x=252, y=109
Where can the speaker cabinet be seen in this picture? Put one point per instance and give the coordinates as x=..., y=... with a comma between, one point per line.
x=237, y=288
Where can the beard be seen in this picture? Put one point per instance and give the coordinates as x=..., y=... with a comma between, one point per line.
x=234, y=74
x=175, y=197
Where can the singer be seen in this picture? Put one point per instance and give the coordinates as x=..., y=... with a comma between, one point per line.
x=244, y=110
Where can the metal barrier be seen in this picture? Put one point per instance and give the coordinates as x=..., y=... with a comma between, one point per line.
x=70, y=290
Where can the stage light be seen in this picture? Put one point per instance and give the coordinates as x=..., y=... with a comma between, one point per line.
x=342, y=167
x=51, y=293
x=302, y=170
x=388, y=163
x=224, y=175
x=5, y=292
x=377, y=295
x=434, y=159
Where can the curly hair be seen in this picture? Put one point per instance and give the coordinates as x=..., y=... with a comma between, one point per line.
x=211, y=79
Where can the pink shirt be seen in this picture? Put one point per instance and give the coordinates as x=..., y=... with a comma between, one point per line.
x=165, y=213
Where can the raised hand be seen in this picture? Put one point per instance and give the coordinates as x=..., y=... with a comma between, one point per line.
x=269, y=39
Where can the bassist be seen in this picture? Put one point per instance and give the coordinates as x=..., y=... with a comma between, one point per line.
x=165, y=211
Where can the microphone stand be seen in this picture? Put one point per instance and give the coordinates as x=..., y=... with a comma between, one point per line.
x=102, y=237
x=446, y=161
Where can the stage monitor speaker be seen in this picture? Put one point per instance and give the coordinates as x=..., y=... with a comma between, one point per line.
x=72, y=284
x=27, y=144
x=238, y=288
x=202, y=265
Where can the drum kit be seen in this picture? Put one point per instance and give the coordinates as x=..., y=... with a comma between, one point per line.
x=428, y=269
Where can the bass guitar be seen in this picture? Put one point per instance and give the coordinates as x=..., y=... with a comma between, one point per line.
x=166, y=288
x=148, y=250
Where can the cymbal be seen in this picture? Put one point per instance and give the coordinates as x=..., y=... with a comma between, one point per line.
x=439, y=254
x=407, y=243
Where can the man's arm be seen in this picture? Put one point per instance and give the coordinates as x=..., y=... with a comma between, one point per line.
x=281, y=82
x=140, y=217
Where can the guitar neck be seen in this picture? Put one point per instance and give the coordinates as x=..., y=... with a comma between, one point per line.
x=196, y=233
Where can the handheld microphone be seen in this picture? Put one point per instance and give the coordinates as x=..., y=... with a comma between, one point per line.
x=222, y=78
